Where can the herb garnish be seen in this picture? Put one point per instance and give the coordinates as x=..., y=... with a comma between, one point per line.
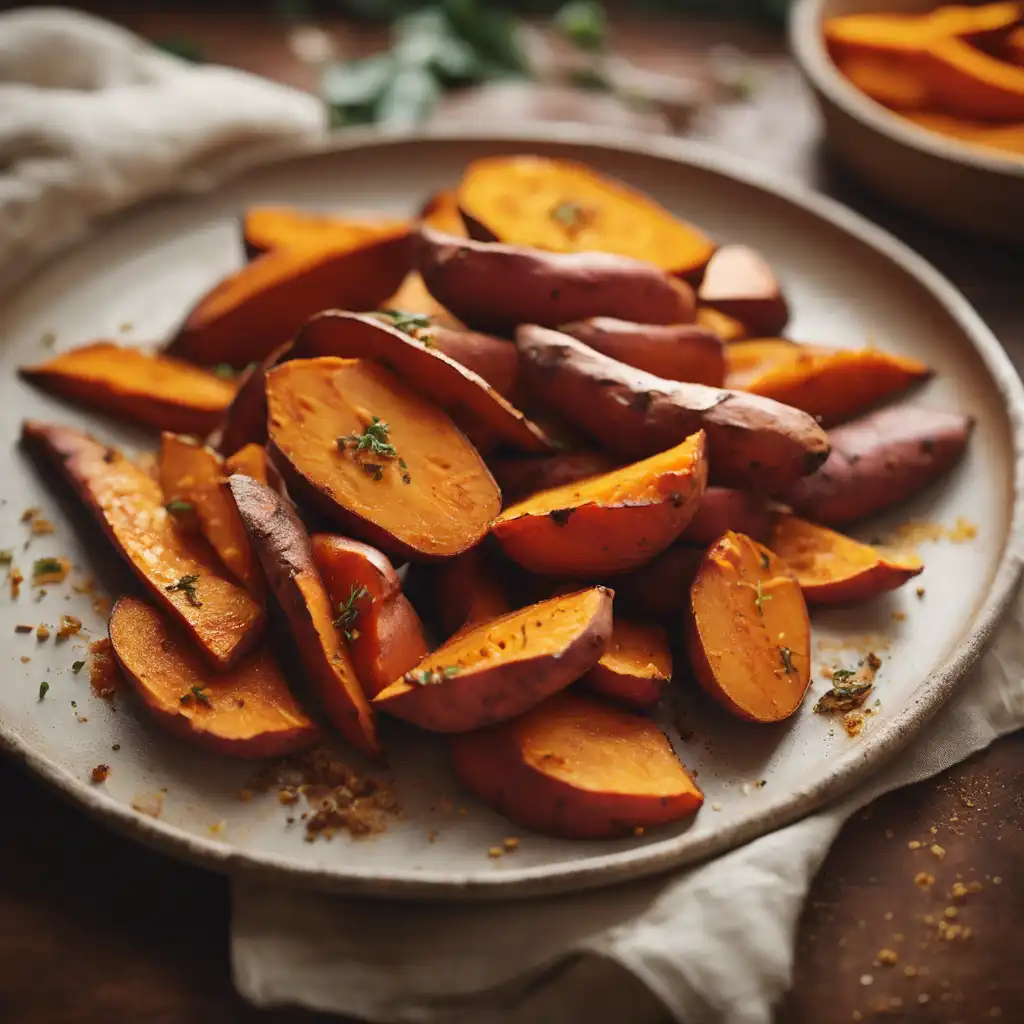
x=199, y=692
x=787, y=659
x=765, y=560
x=428, y=677
x=841, y=676
x=348, y=612
x=77, y=666
x=46, y=566
x=407, y=323
x=179, y=505
x=374, y=469
x=6, y=555
x=760, y=599
x=225, y=371
x=43, y=687
x=569, y=214
x=844, y=698
x=373, y=439
x=187, y=585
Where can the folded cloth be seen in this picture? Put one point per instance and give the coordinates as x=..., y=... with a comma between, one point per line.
x=93, y=119
x=714, y=943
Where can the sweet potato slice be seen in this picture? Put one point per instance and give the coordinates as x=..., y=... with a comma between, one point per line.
x=753, y=442
x=608, y=523
x=964, y=81
x=254, y=310
x=674, y=351
x=288, y=227
x=384, y=633
x=564, y=206
x=637, y=666
x=493, y=287
x=739, y=282
x=660, y=589
x=479, y=411
x=881, y=460
x=286, y=553
x=194, y=479
x=148, y=390
x=180, y=571
x=722, y=509
x=469, y=591
x=893, y=82
x=577, y=768
x=728, y=328
x=412, y=297
x=749, y=638
x=251, y=460
x=519, y=478
x=379, y=459
x=441, y=212
x=834, y=569
x=501, y=668
x=493, y=359
x=246, y=711
x=836, y=385
x=747, y=360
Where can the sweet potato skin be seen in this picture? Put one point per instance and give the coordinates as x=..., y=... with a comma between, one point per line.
x=493, y=359
x=753, y=442
x=506, y=767
x=385, y=635
x=637, y=666
x=519, y=478
x=469, y=591
x=493, y=689
x=739, y=282
x=493, y=287
x=881, y=460
x=686, y=352
x=148, y=390
x=128, y=504
x=245, y=712
x=722, y=509
x=660, y=589
x=286, y=553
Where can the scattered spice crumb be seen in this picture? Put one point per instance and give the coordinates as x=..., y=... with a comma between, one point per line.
x=914, y=845
x=951, y=913
x=910, y=971
x=70, y=625
x=28, y=514
x=924, y=880
x=996, y=880
x=287, y=796
x=511, y=843
x=494, y=852
x=42, y=632
x=432, y=836
x=16, y=577
x=887, y=957
x=103, y=671
x=41, y=527
x=23, y=627
x=937, y=851
x=100, y=773
x=899, y=616
x=25, y=659
x=116, y=747
x=866, y=979
x=716, y=807
x=245, y=795
x=920, y=592
x=151, y=804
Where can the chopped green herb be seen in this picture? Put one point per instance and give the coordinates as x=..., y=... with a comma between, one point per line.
x=46, y=566
x=760, y=599
x=179, y=505
x=43, y=688
x=765, y=560
x=77, y=666
x=843, y=698
x=348, y=612
x=571, y=216
x=199, y=692
x=225, y=370
x=187, y=585
x=407, y=323
x=842, y=675
x=787, y=659
x=374, y=469
x=428, y=677
x=583, y=23
x=373, y=439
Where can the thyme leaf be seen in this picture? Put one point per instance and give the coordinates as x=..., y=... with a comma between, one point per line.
x=187, y=585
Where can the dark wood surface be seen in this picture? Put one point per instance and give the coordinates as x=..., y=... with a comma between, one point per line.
x=96, y=929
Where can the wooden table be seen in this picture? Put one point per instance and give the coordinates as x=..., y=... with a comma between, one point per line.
x=96, y=929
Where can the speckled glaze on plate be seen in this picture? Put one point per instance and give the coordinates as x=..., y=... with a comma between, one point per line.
x=848, y=282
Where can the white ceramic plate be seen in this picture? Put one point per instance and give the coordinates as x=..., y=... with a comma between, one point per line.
x=848, y=282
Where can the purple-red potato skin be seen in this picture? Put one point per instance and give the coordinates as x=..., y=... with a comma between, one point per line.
x=494, y=287
x=723, y=508
x=519, y=478
x=686, y=352
x=494, y=359
x=753, y=442
x=660, y=589
x=879, y=461
x=469, y=589
x=739, y=282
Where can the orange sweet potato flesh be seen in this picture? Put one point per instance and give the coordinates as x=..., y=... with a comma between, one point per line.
x=637, y=666
x=196, y=475
x=892, y=82
x=834, y=386
x=479, y=411
x=493, y=287
x=246, y=711
x=251, y=460
x=493, y=359
x=728, y=328
x=834, y=569
x=288, y=227
x=674, y=351
x=221, y=617
x=441, y=212
x=749, y=359
x=412, y=297
x=577, y=768
x=469, y=591
x=503, y=667
x=286, y=553
x=254, y=310
x=450, y=498
x=610, y=523
x=148, y=390
x=739, y=282
x=749, y=638
x=564, y=206
x=519, y=478
x=753, y=442
x=384, y=633
x=967, y=82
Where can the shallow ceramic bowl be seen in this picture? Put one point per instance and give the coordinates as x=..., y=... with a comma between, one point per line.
x=975, y=190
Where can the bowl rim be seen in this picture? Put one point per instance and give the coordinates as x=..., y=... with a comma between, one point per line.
x=808, y=48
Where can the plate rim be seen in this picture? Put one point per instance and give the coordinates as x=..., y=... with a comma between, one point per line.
x=607, y=869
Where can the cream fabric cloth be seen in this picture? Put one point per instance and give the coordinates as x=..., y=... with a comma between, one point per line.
x=92, y=120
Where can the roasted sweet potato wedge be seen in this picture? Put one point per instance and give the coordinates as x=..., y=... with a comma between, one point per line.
x=412, y=298
x=494, y=287
x=739, y=282
x=881, y=460
x=479, y=411
x=660, y=589
x=608, y=523
x=384, y=634
x=501, y=668
x=254, y=310
x=674, y=351
x=469, y=591
x=728, y=328
x=441, y=212
x=722, y=509
x=749, y=638
x=834, y=569
x=564, y=206
x=286, y=553
x=251, y=460
x=834, y=386
x=148, y=390
x=747, y=360
x=519, y=478
x=753, y=442
x=637, y=666
x=493, y=359
x=180, y=571
x=246, y=711
x=288, y=227
x=245, y=421
x=577, y=768
x=194, y=480
x=388, y=466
